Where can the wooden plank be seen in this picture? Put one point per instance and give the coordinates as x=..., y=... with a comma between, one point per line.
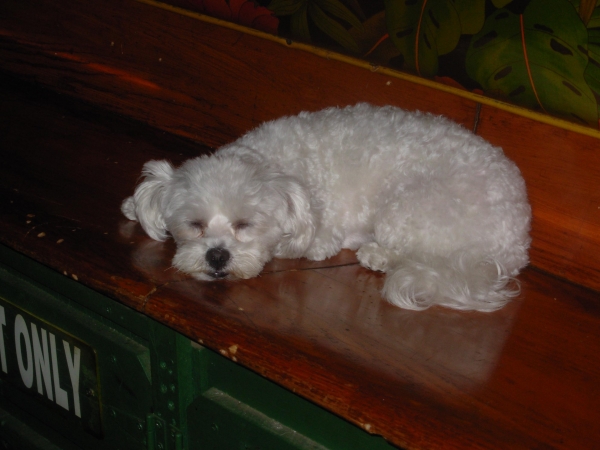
x=562, y=171
x=211, y=84
x=518, y=378
x=63, y=175
x=65, y=171
x=185, y=75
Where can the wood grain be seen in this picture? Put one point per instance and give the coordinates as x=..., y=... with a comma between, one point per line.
x=187, y=76
x=523, y=377
x=64, y=172
x=519, y=378
x=211, y=84
x=562, y=171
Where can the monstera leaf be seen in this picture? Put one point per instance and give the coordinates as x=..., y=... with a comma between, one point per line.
x=501, y=3
x=327, y=15
x=592, y=71
x=536, y=59
x=585, y=9
x=422, y=30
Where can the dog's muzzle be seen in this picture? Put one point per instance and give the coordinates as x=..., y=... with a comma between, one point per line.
x=217, y=258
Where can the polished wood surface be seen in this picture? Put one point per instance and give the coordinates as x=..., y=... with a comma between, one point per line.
x=211, y=84
x=562, y=171
x=523, y=377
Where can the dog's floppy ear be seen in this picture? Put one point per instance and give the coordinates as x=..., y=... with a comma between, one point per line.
x=147, y=202
x=295, y=216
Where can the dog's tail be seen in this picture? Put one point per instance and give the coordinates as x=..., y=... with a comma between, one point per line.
x=458, y=281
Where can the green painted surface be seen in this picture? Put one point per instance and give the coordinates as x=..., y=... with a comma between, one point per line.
x=111, y=378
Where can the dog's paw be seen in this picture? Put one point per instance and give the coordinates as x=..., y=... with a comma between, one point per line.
x=324, y=246
x=318, y=253
x=374, y=257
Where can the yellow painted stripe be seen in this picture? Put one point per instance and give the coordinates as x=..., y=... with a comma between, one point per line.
x=328, y=54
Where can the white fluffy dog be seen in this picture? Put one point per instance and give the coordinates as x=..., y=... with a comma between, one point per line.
x=440, y=210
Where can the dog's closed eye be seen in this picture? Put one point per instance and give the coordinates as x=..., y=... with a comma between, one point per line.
x=197, y=225
x=241, y=225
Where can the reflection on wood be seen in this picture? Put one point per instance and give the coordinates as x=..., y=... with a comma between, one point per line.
x=524, y=377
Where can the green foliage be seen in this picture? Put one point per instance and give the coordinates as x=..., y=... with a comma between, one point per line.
x=423, y=30
x=547, y=58
x=537, y=59
x=501, y=3
x=592, y=71
x=330, y=16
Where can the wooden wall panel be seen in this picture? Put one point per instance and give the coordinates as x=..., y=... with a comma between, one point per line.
x=521, y=377
x=562, y=170
x=187, y=76
x=211, y=84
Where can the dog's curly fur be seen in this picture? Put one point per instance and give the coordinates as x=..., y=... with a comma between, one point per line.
x=441, y=211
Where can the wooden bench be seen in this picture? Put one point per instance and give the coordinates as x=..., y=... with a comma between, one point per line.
x=154, y=82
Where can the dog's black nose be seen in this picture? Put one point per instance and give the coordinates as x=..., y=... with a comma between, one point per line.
x=217, y=258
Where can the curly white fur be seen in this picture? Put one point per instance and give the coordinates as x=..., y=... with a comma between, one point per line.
x=440, y=210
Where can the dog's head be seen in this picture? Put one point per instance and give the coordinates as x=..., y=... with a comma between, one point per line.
x=229, y=213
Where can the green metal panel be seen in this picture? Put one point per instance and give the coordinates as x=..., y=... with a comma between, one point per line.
x=225, y=422
x=174, y=387
x=140, y=385
x=239, y=409
x=15, y=434
x=115, y=377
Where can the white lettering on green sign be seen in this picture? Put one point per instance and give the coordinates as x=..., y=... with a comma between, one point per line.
x=39, y=360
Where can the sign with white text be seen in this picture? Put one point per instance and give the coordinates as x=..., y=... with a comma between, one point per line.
x=51, y=365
